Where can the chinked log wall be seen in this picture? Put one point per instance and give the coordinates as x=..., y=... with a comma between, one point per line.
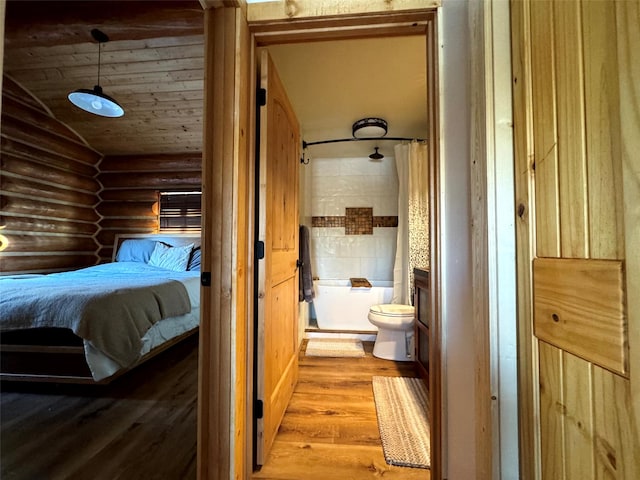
x=48, y=189
x=131, y=187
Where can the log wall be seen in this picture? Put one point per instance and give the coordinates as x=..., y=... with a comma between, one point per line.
x=48, y=189
x=129, y=199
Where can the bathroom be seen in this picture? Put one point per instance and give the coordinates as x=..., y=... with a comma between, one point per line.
x=365, y=249
x=349, y=201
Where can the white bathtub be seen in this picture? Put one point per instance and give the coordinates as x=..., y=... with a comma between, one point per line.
x=340, y=307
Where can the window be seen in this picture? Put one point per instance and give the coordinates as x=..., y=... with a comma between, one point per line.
x=180, y=211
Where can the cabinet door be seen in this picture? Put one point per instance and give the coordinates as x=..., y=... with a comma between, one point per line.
x=421, y=335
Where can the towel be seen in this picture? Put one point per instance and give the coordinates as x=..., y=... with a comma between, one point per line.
x=306, y=292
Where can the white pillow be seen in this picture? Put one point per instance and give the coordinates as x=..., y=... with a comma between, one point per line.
x=171, y=258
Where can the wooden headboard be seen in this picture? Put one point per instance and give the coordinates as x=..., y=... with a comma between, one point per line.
x=173, y=239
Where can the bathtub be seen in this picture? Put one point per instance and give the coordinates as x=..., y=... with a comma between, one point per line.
x=339, y=307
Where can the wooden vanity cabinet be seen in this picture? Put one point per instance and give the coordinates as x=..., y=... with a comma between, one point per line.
x=422, y=306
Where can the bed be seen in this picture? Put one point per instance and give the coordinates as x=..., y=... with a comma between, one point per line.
x=92, y=325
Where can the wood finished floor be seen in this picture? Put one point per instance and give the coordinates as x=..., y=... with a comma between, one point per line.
x=141, y=427
x=330, y=429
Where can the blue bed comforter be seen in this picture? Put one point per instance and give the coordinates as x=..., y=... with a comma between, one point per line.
x=111, y=306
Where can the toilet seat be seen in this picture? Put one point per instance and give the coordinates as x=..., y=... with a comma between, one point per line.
x=392, y=310
x=393, y=316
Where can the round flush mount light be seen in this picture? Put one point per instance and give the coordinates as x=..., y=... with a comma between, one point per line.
x=369, y=128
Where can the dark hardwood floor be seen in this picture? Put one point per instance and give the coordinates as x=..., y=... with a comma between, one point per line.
x=330, y=429
x=143, y=425
x=140, y=427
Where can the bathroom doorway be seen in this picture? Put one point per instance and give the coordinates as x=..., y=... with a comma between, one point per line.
x=289, y=58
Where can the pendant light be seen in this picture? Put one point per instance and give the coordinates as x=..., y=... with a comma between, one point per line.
x=94, y=101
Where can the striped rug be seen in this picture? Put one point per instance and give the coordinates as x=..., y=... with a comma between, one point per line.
x=341, y=347
x=401, y=406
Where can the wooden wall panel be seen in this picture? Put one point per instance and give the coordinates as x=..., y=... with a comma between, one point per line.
x=545, y=138
x=551, y=425
x=528, y=391
x=570, y=134
x=578, y=426
x=606, y=222
x=48, y=192
x=579, y=307
x=131, y=183
x=624, y=397
x=584, y=74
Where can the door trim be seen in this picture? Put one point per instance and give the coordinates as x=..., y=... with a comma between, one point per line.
x=225, y=374
x=423, y=23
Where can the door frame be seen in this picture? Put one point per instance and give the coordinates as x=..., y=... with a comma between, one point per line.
x=224, y=414
x=422, y=23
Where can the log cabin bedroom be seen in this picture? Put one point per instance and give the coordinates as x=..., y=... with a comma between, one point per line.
x=87, y=199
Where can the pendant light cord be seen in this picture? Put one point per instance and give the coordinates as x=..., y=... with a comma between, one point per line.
x=99, y=51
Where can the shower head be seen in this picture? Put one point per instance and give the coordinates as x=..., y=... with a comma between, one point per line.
x=375, y=155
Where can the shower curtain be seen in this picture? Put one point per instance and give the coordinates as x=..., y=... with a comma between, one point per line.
x=412, y=247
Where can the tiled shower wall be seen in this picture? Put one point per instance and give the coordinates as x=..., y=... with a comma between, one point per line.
x=331, y=185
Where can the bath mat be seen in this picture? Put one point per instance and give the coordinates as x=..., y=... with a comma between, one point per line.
x=401, y=406
x=341, y=347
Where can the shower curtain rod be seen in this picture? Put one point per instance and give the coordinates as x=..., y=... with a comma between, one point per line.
x=397, y=139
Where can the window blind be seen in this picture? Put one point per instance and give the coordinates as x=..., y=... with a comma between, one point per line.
x=180, y=211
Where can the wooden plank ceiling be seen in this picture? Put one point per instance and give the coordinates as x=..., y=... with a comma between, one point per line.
x=152, y=65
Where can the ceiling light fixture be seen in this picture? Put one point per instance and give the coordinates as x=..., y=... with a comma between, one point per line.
x=94, y=101
x=369, y=128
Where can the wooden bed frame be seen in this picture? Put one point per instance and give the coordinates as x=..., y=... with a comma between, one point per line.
x=57, y=354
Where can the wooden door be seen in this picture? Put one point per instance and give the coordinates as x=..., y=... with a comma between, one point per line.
x=577, y=120
x=277, y=306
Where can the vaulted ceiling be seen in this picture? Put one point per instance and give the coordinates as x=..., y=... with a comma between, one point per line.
x=153, y=66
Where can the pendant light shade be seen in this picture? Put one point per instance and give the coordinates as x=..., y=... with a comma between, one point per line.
x=95, y=101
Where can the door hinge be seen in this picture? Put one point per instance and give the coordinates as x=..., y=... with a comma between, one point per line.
x=205, y=279
x=260, y=249
x=258, y=409
x=262, y=97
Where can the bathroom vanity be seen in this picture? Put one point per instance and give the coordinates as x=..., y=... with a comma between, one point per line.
x=421, y=337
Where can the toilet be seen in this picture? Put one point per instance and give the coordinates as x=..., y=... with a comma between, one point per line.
x=395, y=331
